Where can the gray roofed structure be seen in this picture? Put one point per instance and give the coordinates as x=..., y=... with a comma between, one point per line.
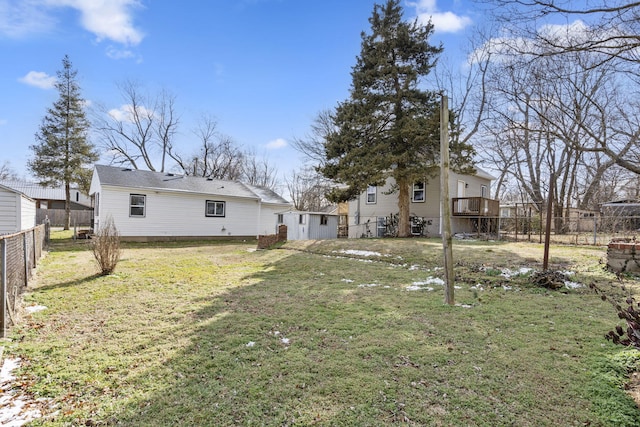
x=134, y=178
x=35, y=190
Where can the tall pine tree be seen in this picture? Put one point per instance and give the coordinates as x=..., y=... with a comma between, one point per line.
x=63, y=150
x=389, y=127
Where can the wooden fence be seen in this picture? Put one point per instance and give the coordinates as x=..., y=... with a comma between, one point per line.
x=19, y=254
x=80, y=218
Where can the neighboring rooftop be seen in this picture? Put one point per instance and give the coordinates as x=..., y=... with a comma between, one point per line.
x=135, y=178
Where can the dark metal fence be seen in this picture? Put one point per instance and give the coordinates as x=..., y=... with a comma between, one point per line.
x=19, y=254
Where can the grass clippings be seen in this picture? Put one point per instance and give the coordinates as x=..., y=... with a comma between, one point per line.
x=326, y=333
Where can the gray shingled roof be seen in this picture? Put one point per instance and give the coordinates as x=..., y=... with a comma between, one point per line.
x=123, y=177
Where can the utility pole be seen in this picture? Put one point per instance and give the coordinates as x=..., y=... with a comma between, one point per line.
x=445, y=202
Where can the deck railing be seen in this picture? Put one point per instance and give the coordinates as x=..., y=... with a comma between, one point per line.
x=475, y=206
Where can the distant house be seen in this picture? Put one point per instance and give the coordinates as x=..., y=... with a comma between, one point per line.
x=148, y=205
x=17, y=211
x=50, y=197
x=309, y=225
x=621, y=215
x=374, y=212
x=50, y=202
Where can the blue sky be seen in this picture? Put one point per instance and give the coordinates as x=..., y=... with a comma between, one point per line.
x=262, y=68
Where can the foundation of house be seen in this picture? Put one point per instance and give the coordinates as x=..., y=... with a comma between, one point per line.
x=623, y=255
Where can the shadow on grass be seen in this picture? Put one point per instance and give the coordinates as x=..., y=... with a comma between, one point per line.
x=70, y=283
x=302, y=345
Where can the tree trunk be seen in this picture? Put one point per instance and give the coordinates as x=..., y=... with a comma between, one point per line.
x=404, y=225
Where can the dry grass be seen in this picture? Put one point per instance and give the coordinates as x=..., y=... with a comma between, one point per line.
x=322, y=333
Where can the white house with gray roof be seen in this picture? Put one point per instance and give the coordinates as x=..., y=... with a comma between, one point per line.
x=148, y=205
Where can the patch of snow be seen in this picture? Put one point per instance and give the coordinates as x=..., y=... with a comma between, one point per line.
x=507, y=273
x=360, y=253
x=567, y=273
x=35, y=308
x=368, y=285
x=413, y=288
x=347, y=280
x=477, y=287
x=414, y=267
x=15, y=409
x=573, y=285
x=251, y=344
x=506, y=288
x=285, y=341
x=464, y=305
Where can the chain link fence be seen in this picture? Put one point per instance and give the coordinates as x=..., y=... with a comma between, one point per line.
x=19, y=254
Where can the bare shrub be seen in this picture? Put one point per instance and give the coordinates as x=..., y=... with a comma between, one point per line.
x=106, y=247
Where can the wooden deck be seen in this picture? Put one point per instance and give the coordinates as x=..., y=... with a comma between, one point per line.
x=475, y=207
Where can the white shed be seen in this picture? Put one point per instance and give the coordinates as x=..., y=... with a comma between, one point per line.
x=147, y=205
x=17, y=211
x=309, y=225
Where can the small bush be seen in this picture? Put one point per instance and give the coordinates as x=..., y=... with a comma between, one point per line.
x=631, y=315
x=106, y=247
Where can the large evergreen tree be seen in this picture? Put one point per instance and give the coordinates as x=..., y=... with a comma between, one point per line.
x=62, y=148
x=389, y=127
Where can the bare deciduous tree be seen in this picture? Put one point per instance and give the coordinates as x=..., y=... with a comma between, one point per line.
x=307, y=190
x=141, y=132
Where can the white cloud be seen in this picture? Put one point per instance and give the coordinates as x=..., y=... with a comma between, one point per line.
x=125, y=113
x=503, y=49
x=277, y=144
x=107, y=19
x=22, y=18
x=443, y=22
x=38, y=79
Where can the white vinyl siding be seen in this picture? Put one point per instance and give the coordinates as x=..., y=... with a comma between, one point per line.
x=180, y=214
x=17, y=212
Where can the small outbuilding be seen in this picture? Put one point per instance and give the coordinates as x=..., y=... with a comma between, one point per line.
x=17, y=211
x=309, y=225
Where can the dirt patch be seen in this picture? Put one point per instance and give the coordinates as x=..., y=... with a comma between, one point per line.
x=633, y=387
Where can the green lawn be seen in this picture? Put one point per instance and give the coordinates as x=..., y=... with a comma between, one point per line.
x=323, y=333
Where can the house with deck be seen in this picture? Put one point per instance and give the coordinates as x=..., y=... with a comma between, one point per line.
x=374, y=212
x=148, y=206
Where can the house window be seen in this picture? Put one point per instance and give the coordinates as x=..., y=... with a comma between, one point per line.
x=371, y=194
x=137, y=204
x=418, y=192
x=324, y=220
x=301, y=219
x=97, y=208
x=214, y=208
x=280, y=218
x=483, y=191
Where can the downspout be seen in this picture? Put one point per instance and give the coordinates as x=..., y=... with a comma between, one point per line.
x=259, y=218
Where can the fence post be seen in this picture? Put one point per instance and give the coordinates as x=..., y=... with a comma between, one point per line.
x=3, y=288
x=47, y=231
x=26, y=259
x=595, y=230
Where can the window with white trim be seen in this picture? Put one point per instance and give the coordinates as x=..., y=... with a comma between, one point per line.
x=137, y=205
x=280, y=218
x=215, y=208
x=483, y=191
x=418, y=192
x=371, y=194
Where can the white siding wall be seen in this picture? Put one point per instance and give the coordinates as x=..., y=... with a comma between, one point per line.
x=27, y=213
x=178, y=214
x=9, y=205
